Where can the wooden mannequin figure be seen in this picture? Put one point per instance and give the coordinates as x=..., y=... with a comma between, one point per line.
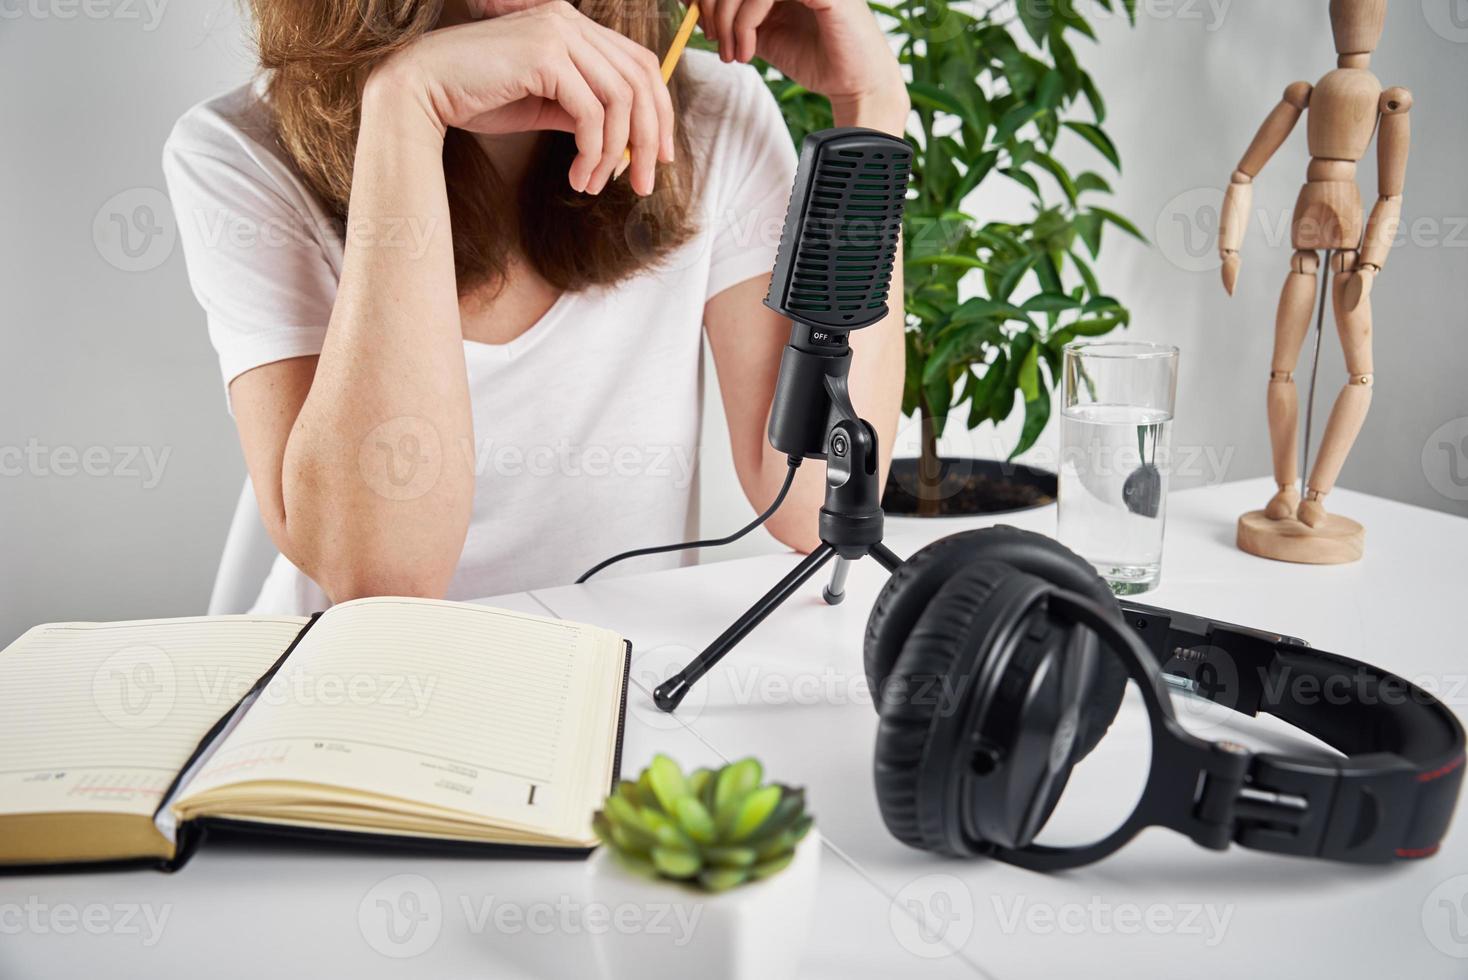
x=1345, y=110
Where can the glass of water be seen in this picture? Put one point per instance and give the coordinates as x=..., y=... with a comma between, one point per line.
x=1116, y=438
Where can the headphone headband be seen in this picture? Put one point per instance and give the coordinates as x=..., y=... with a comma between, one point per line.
x=1393, y=794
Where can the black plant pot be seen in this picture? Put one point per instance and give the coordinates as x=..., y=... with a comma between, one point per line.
x=971, y=487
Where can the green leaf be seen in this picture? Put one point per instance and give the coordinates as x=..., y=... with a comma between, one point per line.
x=1120, y=222
x=695, y=820
x=731, y=857
x=1011, y=278
x=1087, y=275
x=957, y=261
x=757, y=806
x=1061, y=175
x=1036, y=18
x=667, y=832
x=1103, y=304
x=790, y=810
x=1029, y=374
x=1052, y=87
x=978, y=169
x=984, y=390
x=1003, y=404
x=1016, y=119
x=1089, y=226
x=1037, y=416
x=1024, y=179
x=958, y=346
x=667, y=783
x=722, y=879
x=735, y=781
x=926, y=96
x=618, y=810
x=1097, y=327
x=674, y=863
x=975, y=310
x=1051, y=303
x=1094, y=135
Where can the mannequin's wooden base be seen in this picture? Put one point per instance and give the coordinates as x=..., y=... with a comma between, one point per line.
x=1339, y=542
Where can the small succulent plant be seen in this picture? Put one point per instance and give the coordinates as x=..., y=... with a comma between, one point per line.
x=713, y=829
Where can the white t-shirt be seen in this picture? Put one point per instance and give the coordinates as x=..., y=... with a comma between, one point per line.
x=586, y=427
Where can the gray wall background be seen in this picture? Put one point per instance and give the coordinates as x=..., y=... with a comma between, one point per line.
x=119, y=467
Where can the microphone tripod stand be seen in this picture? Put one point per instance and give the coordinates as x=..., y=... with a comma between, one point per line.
x=814, y=370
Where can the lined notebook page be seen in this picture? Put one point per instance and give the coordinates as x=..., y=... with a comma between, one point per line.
x=449, y=705
x=99, y=717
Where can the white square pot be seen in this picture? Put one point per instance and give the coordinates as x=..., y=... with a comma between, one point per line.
x=661, y=930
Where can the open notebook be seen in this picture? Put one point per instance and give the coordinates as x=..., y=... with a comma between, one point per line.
x=391, y=720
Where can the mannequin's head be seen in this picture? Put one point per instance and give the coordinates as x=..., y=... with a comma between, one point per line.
x=1357, y=25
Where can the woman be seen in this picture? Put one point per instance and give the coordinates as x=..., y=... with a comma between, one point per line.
x=464, y=358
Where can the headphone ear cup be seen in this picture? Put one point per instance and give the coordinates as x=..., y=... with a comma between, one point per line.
x=904, y=598
x=923, y=681
x=917, y=581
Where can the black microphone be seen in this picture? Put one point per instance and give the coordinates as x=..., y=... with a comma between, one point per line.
x=833, y=271
x=832, y=275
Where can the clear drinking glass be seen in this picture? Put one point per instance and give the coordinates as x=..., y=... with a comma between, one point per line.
x=1116, y=440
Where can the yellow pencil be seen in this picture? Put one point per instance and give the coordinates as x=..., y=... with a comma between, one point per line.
x=670, y=62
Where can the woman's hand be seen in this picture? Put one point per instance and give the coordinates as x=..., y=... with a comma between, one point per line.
x=544, y=67
x=834, y=47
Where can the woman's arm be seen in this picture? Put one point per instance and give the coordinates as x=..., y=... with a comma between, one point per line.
x=374, y=488
x=836, y=48
x=747, y=340
x=361, y=458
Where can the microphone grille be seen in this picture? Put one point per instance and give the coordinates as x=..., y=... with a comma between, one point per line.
x=842, y=229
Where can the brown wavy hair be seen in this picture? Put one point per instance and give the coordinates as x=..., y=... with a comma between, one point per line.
x=317, y=53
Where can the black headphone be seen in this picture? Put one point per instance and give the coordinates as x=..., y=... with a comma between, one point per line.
x=1000, y=658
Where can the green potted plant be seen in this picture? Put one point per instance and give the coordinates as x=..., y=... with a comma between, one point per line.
x=991, y=305
x=732, y=856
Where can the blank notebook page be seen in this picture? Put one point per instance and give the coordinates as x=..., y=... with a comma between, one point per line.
x=100, y=717
x=450, y=706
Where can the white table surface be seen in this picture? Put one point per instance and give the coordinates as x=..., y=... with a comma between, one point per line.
x=793, y=695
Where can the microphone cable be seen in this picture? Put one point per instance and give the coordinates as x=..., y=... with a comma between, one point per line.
x=794, y=465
